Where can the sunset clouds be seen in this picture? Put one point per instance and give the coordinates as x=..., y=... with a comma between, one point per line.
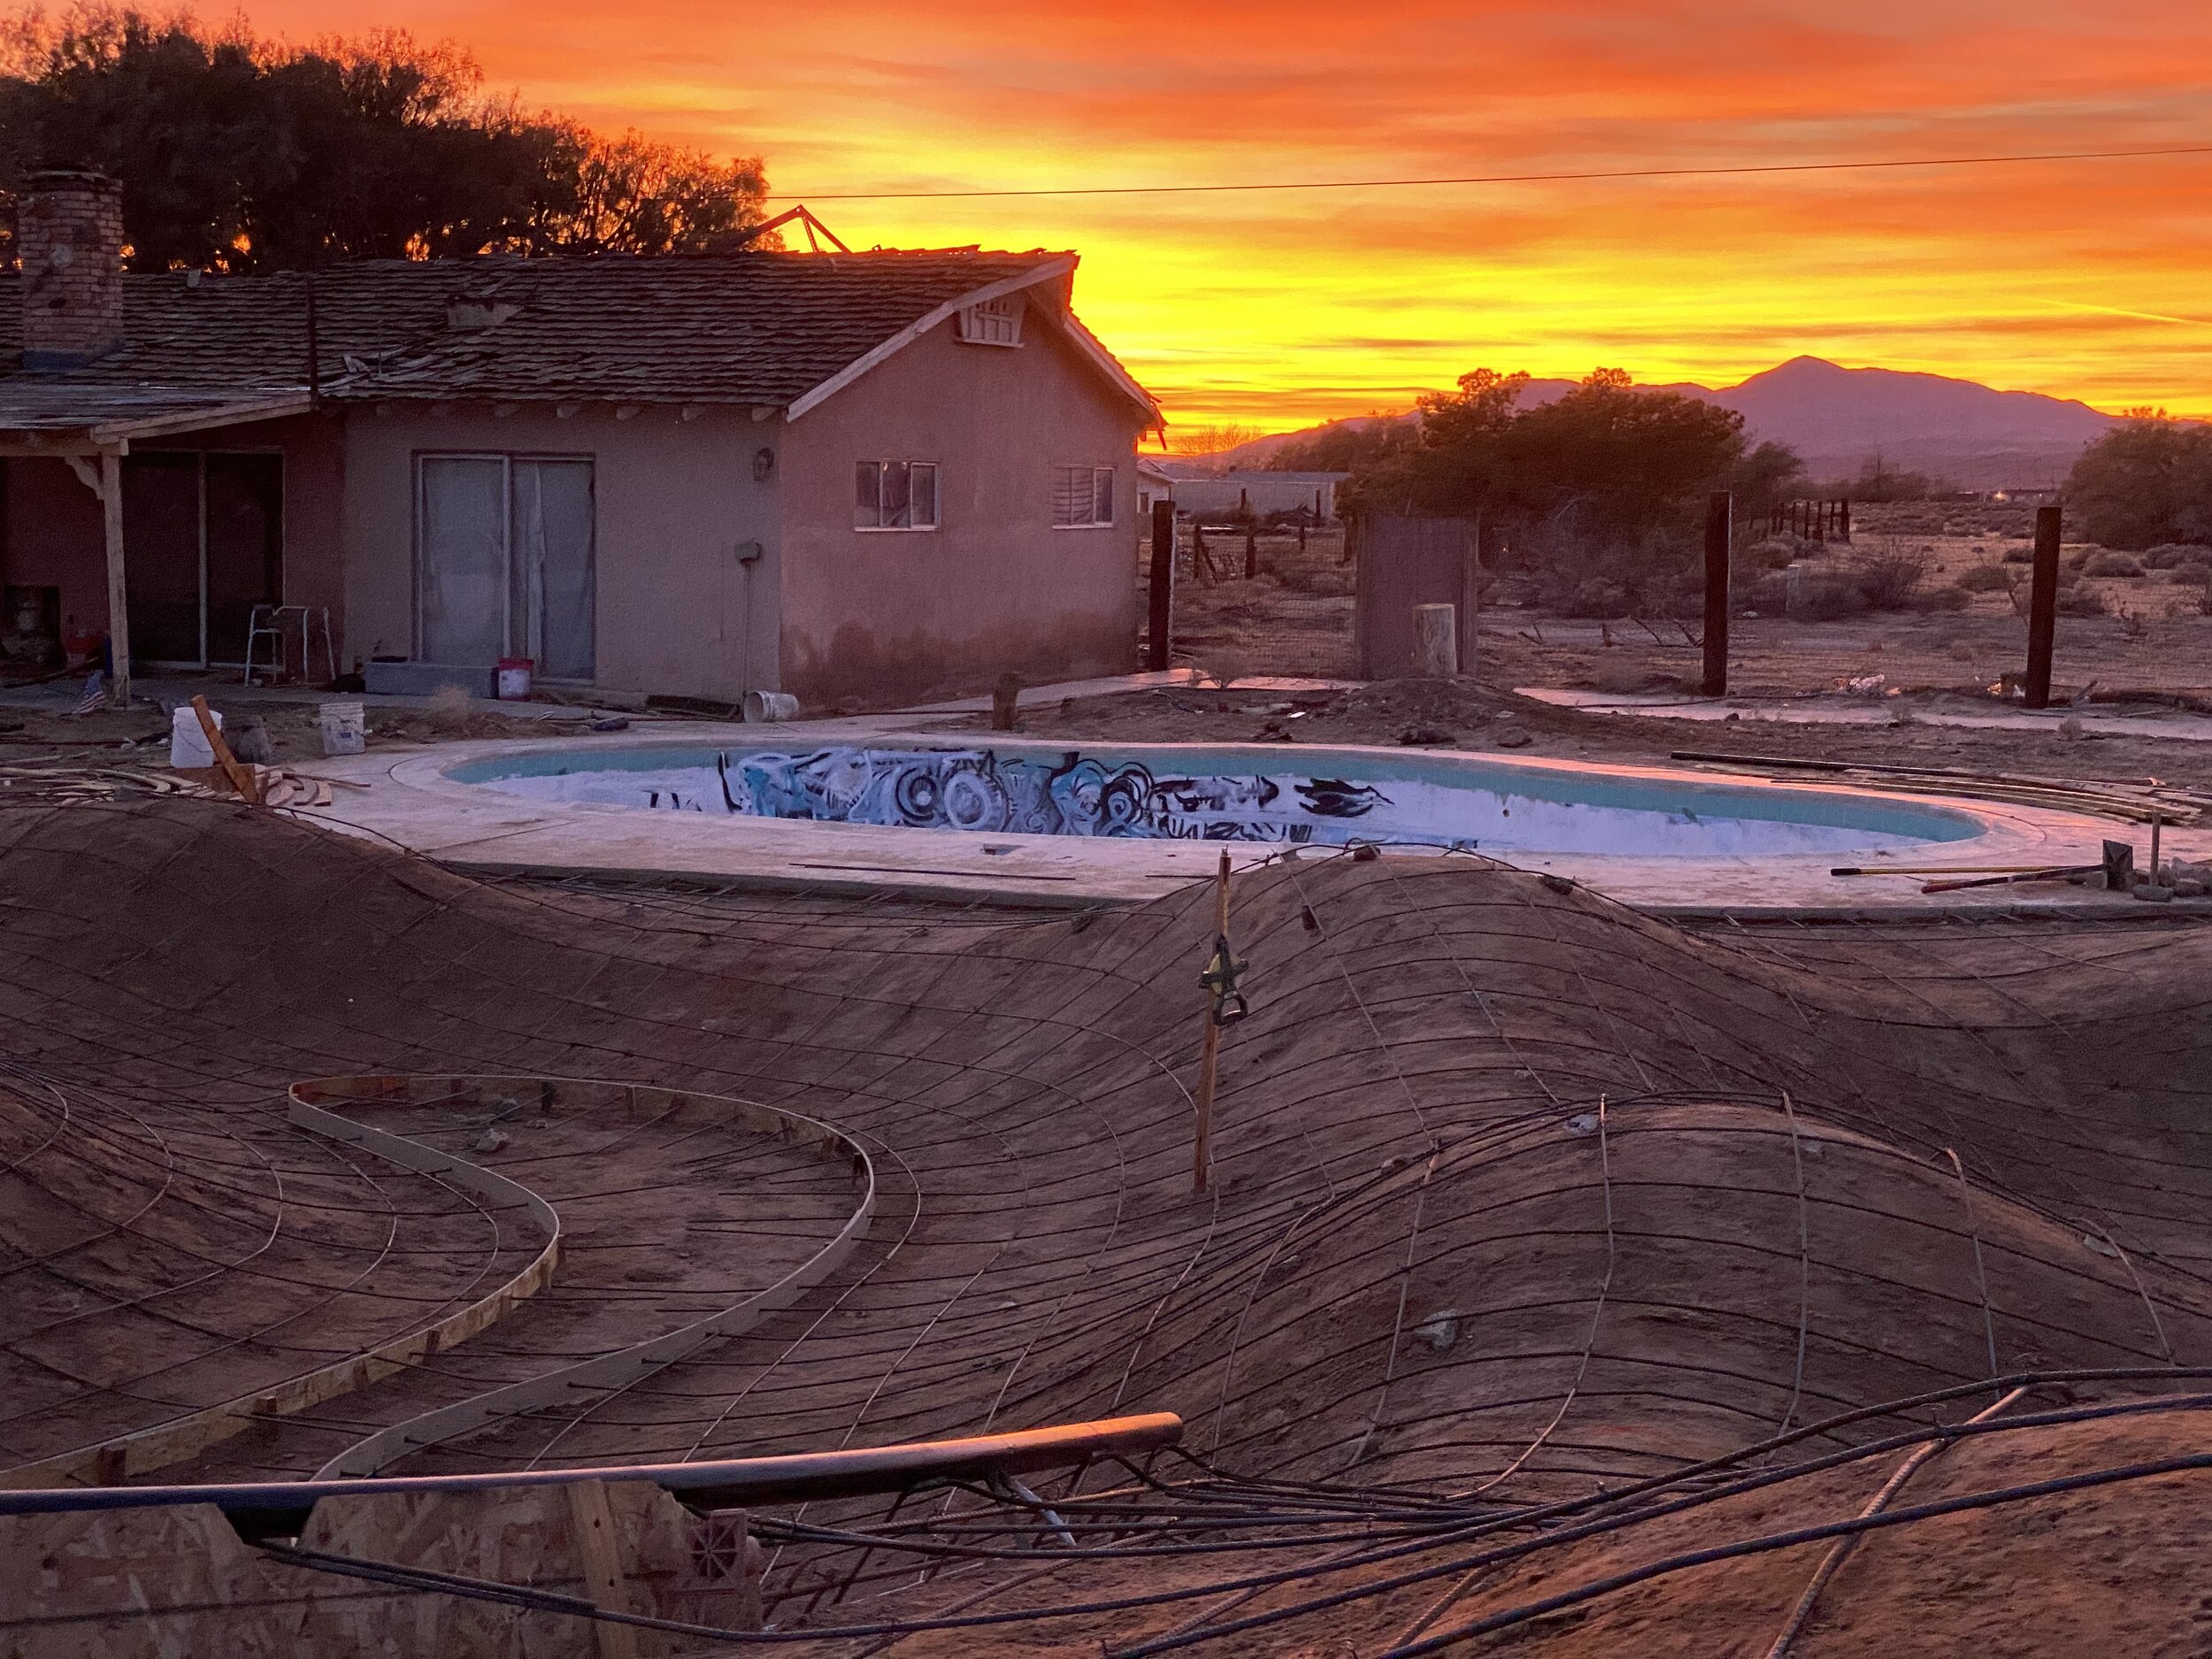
x=2087, y=280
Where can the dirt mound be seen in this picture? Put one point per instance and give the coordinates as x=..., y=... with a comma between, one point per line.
x=1520, y=1198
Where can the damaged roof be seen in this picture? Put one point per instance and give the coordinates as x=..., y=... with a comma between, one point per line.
x=761, y=328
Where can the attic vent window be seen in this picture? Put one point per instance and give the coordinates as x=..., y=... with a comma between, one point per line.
x=992, y=322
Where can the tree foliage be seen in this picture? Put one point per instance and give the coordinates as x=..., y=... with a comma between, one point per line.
x=2145, y=483
x=1345, y=446
x=1610, y=457
x=238, y=154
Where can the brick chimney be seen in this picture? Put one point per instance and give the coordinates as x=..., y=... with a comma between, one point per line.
x=69, y=234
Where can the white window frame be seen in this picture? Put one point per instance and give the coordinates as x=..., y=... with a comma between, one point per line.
x=995, y=322
x=936, y=496
x=1103, y=479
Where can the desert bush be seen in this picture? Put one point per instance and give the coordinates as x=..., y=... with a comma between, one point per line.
x=1649, y=575
x=2196, y=572
x=2079, y=559
x=1830, y=596
x=1893, y=572
x=2167, y=555
x=1983, y=579
x=2020, y=555
x=1326, y=580
x=1774, y=552
x=1951, y=598
x=2112, y=564
x=2078, y=601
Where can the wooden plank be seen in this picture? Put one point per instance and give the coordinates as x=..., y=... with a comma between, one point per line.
x=600, y=1554
x=241, y=779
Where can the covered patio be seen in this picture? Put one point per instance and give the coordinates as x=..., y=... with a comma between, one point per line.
x=190, y=537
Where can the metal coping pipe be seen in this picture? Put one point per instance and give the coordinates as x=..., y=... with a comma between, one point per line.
x=280, y=1508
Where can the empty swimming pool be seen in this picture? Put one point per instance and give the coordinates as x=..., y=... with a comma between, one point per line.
x=1255, y=793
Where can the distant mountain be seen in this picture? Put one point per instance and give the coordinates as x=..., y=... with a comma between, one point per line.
x=1837, y=418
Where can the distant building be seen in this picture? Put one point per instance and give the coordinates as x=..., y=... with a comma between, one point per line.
x=843, y=475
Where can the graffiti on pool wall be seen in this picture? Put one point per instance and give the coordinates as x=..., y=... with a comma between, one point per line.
x=976, y=789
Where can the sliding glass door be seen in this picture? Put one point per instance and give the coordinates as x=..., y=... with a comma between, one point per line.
x=503, y=562
x=203, y=545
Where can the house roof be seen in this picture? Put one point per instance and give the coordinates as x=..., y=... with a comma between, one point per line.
x=782, y=330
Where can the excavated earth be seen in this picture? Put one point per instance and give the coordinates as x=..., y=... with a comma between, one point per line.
x=1546, y=1245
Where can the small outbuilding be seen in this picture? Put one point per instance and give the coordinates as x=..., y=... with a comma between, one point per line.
x=857, y=477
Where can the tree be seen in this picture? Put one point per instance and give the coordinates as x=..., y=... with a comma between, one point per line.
x=1344, y=446
x=237, y=154
x=1624, y=459
x=2145, y=482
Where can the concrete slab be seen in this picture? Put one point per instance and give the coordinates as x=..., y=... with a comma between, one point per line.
x=410, y=800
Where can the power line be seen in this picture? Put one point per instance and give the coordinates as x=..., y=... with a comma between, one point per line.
x=1497, y=178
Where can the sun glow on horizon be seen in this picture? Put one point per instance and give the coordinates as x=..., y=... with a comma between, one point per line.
x=2082, y=278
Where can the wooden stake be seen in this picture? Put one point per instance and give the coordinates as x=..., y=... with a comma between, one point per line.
x=1209, y=1055
x=240, y=777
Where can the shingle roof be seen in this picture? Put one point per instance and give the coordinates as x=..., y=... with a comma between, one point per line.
x=759, y=329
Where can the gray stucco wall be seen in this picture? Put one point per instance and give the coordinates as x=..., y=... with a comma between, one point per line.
x=674, y=501
x=878, y=618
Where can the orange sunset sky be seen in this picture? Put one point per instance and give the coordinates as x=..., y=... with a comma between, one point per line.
x=2086, y=280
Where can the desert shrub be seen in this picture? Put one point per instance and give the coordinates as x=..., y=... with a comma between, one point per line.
x=2197, y=571
x=2168, y=555
x=1951, y=598
x=1983, y=579
x=2020, y=555
x=2079, y=559
x=1650, y=575
x=2112, y=564
x=1830, y=596
x=2078, y=601
x=1327, y=580
x=1891, y=573
x=1773, y=552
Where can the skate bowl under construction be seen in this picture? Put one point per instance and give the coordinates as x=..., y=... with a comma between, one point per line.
x=1237, y=793
x=1565, y=1280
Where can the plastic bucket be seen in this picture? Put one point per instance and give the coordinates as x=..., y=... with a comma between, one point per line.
x=761, y=706
x=345, y=729
x=513, y=683
x=187, y=744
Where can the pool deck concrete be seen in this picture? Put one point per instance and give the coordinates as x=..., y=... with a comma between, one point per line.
x=401, y=797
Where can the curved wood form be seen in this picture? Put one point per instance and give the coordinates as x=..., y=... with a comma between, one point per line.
x=106, y=1462
x=567, y=1386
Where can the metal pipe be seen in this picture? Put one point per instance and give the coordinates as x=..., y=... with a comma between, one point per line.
x=281, y=1509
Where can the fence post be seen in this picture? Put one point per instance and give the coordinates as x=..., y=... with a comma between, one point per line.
x=1163, y=596
x=2043, y=604
x=1847, y=521
x=1251, y=549
x=1720, y=513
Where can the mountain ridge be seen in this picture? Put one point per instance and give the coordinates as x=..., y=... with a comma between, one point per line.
x=1837, y=418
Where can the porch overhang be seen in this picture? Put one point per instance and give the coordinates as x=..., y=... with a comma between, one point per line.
x=63, y=418
x=92, y=427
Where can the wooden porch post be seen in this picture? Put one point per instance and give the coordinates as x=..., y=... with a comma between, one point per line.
x=118, y=592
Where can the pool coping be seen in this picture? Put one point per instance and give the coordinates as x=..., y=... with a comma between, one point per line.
x=409, y=802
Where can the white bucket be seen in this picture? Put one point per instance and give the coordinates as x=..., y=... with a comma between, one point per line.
x=345, y=728
x=513, y=685
x=187, y=744
x=769, y=705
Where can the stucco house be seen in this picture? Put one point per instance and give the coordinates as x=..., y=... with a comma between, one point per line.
x=851, y=476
